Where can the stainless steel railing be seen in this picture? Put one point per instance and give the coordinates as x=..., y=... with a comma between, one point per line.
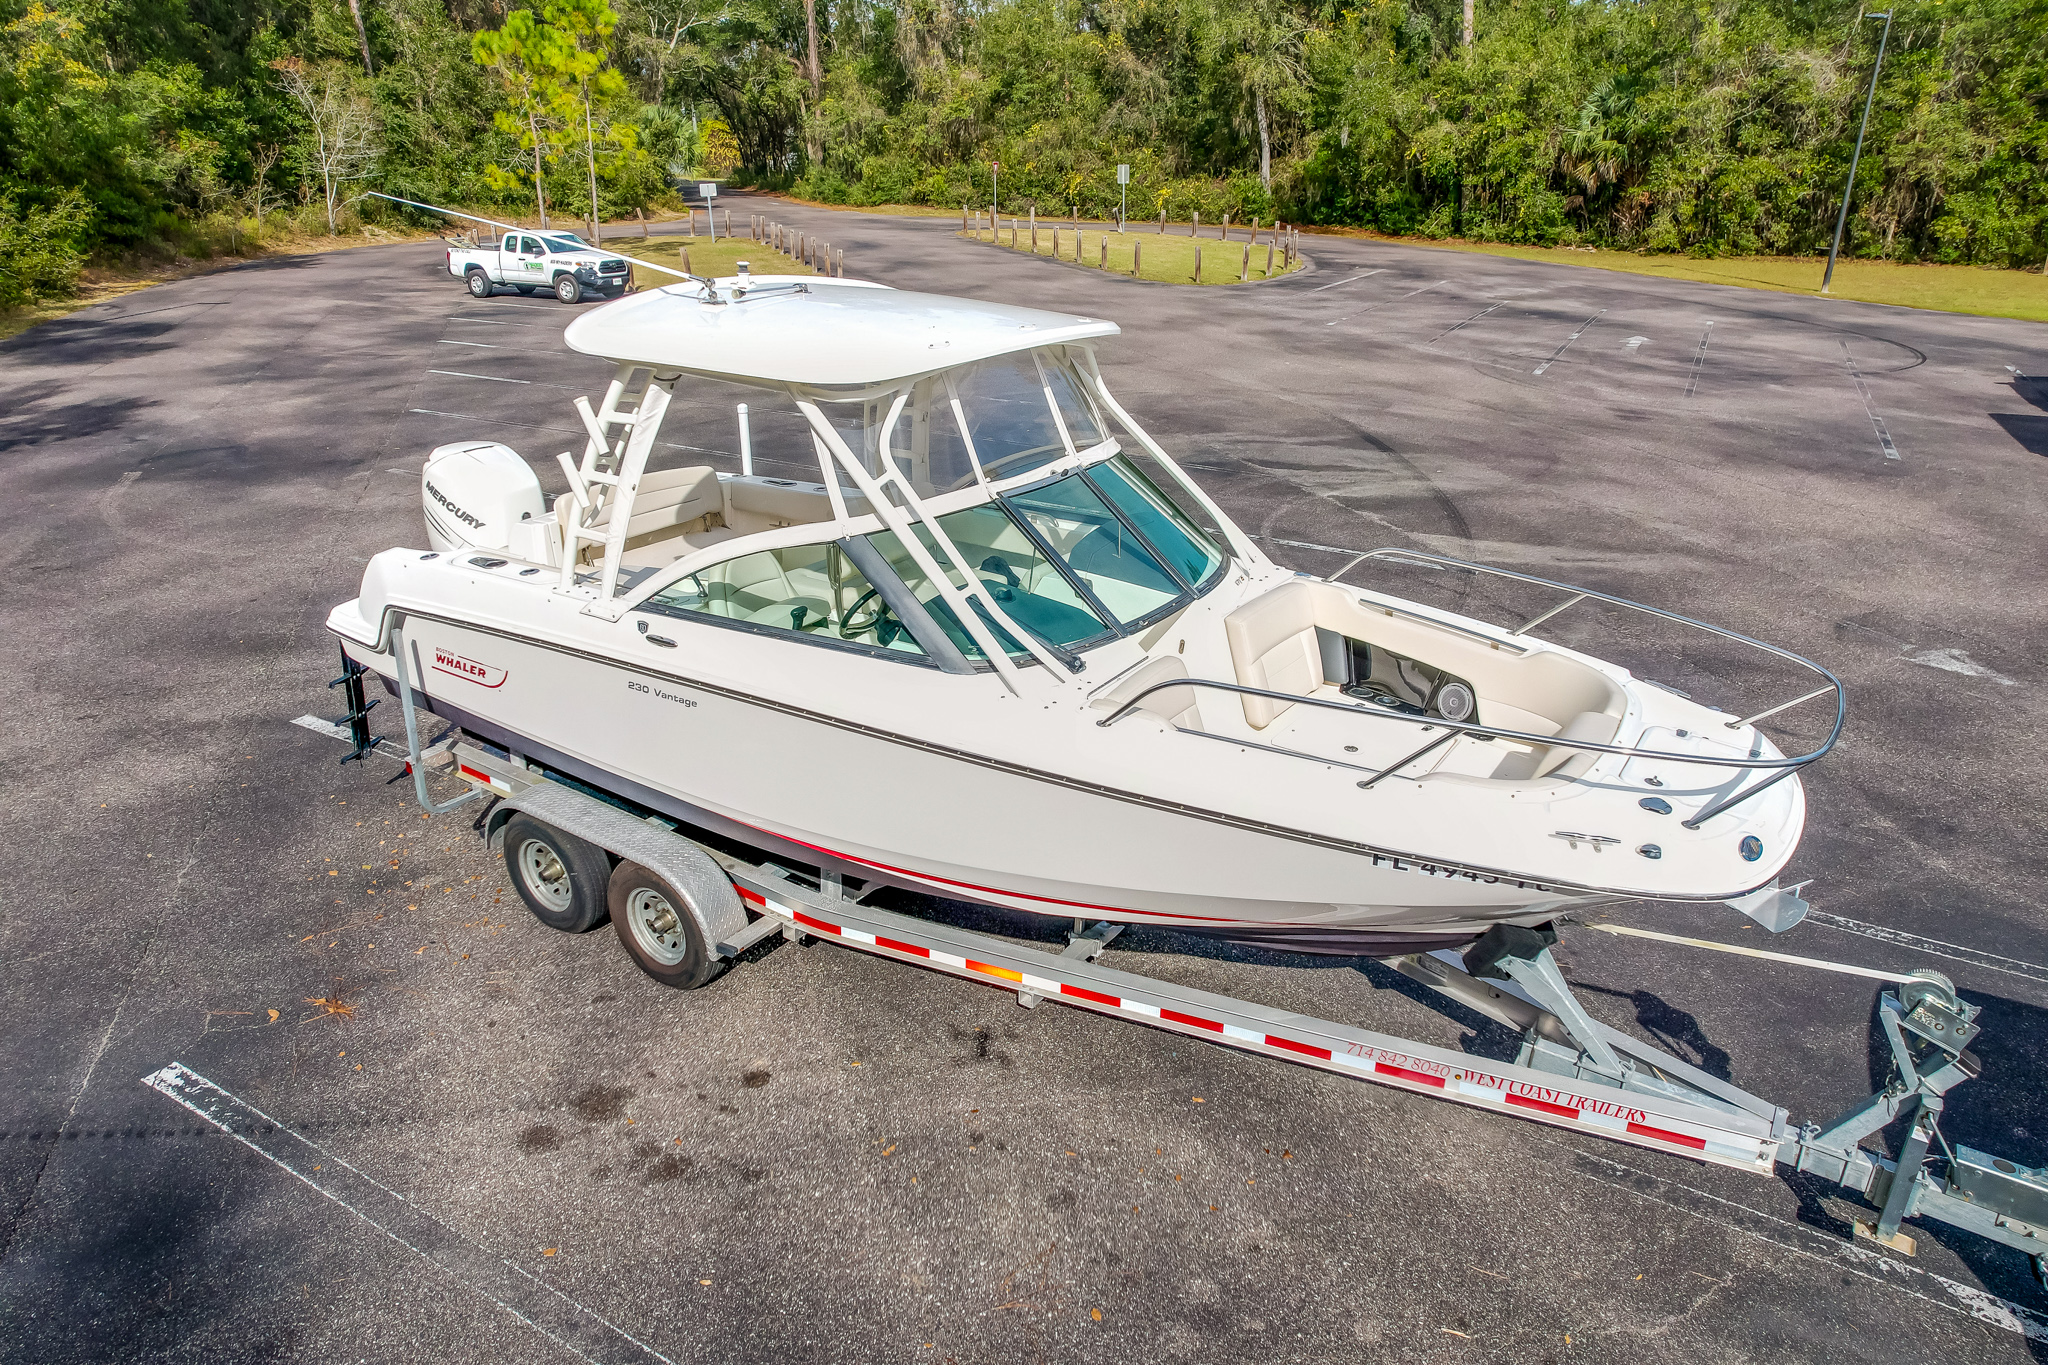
x=1778, y=768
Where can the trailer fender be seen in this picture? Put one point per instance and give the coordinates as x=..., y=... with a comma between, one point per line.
x=707, y=893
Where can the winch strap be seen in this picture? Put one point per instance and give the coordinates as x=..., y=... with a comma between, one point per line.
x=1841, y=967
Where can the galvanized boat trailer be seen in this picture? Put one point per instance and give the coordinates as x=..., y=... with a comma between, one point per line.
x=1571, y=1071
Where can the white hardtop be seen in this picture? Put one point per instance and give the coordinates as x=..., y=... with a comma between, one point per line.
x=815, y=333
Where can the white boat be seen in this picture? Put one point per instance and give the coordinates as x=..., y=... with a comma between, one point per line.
x=980, y=636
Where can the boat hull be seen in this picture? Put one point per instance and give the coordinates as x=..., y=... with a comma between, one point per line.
x=888, y=808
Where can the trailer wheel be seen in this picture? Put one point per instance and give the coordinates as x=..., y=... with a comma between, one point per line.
x=561, y=878
x=479, y=284
x=567, y=290
x=657, y=931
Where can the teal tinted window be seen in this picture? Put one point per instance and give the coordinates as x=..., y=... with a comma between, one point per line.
x=1011, y=569
x=1173, y=535
x=1099, y=548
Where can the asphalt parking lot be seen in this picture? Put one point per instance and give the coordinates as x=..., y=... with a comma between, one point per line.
x=514, y=1147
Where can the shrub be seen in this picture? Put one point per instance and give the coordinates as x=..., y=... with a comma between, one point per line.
x=42, y=249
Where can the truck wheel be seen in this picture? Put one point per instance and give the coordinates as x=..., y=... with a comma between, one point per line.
x=658, y=933
x=567, y=290
x=561, y=878
x=479, y=284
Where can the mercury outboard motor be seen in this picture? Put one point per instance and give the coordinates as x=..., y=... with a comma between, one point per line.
x=480, y=495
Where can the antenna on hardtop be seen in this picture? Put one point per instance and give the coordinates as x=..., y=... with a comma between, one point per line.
x=710, y=286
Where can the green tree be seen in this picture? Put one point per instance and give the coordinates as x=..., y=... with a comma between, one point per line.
x=531, y=59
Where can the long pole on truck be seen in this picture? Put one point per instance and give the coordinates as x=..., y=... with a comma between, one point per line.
x=1849, y=190
x=514, y=227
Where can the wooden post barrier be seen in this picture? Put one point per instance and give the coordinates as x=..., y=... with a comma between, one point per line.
x=1226, y=229
x=1034, y=229
x=1162, y=222
x=1104, y=264
x=1246, y=275
x=641, y=214
x=1137, y=263
x=686, y=262
x=839, y=267
x=963, y=218
x=693, y=223
x=1269, y=256
x=1198, y=262
x=1195, y=227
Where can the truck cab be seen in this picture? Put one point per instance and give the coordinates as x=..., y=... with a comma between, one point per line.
x=530, y=260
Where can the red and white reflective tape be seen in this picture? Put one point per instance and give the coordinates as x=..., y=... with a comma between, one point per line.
x=493, y=783
x=1543, y=1103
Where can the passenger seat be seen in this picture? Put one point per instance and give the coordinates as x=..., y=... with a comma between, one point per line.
x=1273, y=645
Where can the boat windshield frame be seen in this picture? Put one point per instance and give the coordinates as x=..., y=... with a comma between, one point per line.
x=894, y=504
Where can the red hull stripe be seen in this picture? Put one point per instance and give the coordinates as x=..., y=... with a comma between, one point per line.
x=1304, y=1049
x=1403, y=1073
x=1544, y=1107
x=1177, y=1017
x=1097, y=997
x=1645, y=1130
x=818, y=924
x=910, y=948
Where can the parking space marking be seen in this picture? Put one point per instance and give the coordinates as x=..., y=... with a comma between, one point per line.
x=1976, y=957
x=1884, y=438
x=571, y=1325
x=1969, y=1301
x=1699, y=359
x=495, y=379
x=1584, y=327
x=487, y=322
x=1467, y=322
x=483, y=344
x=1346, y=280
x=1370, y=306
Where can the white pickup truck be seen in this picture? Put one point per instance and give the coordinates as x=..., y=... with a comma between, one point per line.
x=560, y=262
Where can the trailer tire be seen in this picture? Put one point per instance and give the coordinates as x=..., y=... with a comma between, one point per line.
x=478, y=282
x=562, y=878
x=658, y=932
x=567, y=289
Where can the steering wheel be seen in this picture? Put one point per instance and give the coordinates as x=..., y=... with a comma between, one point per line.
x=881, y=620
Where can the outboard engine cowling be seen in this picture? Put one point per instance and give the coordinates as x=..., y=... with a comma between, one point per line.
x=479, y=495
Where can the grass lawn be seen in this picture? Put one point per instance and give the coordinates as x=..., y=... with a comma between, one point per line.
x=2019, y=294
x=706, y=257
x=1168, y=259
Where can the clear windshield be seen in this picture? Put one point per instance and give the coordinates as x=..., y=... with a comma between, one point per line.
x=563, y=241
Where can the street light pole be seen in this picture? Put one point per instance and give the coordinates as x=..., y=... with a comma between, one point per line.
x=1842, y=219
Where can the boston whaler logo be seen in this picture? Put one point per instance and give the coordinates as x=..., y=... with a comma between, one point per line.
x=456, y=512
x=483, y=674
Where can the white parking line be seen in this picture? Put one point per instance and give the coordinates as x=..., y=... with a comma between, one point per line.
x=1956, y=952
x=1884, y=437
x=1584, y=327
x=495, y=379
x=1359, y=276
x=541, y=1306
x=483, y=344
x=1699, y=359
x=1370, y=306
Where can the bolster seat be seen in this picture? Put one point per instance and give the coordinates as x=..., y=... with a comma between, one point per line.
x=1273, y=645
